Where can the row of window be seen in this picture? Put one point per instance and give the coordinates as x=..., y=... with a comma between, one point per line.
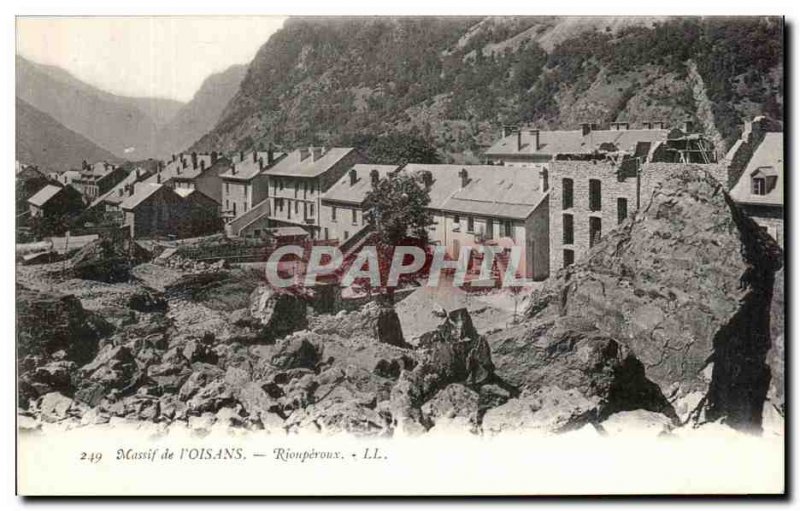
x=308, y=207
x=279, y=183
x=595, y=224
x=506, y=226
x=353, y=213
x=595, y=194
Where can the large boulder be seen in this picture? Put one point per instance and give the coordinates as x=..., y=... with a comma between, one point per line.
x=48, y=323
x=686, y=284
x=279, y=312
x=108, y=259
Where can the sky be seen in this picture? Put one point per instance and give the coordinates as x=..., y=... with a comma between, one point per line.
x=167, y=56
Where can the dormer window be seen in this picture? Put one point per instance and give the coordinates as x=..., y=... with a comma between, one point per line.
x=764, y=180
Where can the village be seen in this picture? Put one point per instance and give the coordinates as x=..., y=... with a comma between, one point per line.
x=552, y=194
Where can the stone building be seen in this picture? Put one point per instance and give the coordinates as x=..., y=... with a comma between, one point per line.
x=55, y=201
x=476, y=205
x=97, y=179
x=244, y=183
x=157, y=210
x=342, y=206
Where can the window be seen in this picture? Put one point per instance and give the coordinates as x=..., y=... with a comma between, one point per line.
x=227, y=205
x=234, y=209
x=280, y=183
x=289, y=208
x=333, y=213
x=311, y=210
x=355, y=217
x=346, y=234
x=227, y=188
x=595, y=195
x=489, y=228
x=622, y=210
x=569, y=257
x=456, y=219
x=509, y=229
x=305, y=189
x=297, y=207
x=566, y=193
x=569, y=230
x=327, y=234
x=296, y=189
x=595, y=230
x=759, y=186
x=470, y=224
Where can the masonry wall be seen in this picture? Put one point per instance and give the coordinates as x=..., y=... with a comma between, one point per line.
x=611, y=187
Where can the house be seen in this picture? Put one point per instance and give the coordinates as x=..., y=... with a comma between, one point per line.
x=106, y=208
x=474, y=205
x=55, y=201
x=153, y=209
x=200, y=172
x=29, y=180
x=202, y=214
x=181, y=169
x=759, y=190
x=244, y=183
x=525, y=146
x=98, y=178
x=342, y=206
x=295, y=187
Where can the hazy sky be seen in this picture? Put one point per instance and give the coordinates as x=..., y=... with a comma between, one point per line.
x=144, y=56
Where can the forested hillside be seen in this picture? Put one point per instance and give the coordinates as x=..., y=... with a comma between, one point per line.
x=455, y=81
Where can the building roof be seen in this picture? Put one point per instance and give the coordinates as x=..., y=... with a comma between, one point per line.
x=574, y=142
x=767, y=161
x=246, y=166
x=286, y=232
x=114, y=196
x=301, y=162
x=182, y=168
x=142, y=192
x=491, y=190
x=45, y=194
x=344, y=191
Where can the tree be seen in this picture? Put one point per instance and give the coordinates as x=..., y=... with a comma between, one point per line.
x=397, y=206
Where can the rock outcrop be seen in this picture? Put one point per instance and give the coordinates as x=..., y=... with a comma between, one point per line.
x=686, y=284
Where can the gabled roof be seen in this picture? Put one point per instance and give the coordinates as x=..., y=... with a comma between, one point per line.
x=140, y=194
x=295, y=165
x=344, y=191
x=194, y=194
x=113, y=196
x=45, y=194
x=176, y=169
x=491, y=190
x=574, y=142
x=768, y=160
x=247, y=166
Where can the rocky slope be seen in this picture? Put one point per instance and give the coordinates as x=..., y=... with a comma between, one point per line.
x=686, y=285
x=456, y=80
x=46, y=143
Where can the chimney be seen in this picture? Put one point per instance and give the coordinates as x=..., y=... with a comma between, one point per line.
x=535, y=138
x=316, y=153
x=213, y=157
x=173, y=157
x=255, y=156
x=202, y=165
x=131, y=188
x=183, y=163
x=353, y=177
x=464, y=177
x=241, y=155
x=647, y=125
x=374, y=177
x=84, y=165
x=158, y=178
x=544, y=183
x=507, y=130
x=586, y=128
x=194, y=161
x=261, y=163
x=233, y=169
x=303, y=153
x=427, y=178
x=270, y=155
x=519, y=140
x=688, y=126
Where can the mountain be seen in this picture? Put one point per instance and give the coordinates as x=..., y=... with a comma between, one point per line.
x=456, y=80
x=43, y=141
x=198, y=116
x=127, y=127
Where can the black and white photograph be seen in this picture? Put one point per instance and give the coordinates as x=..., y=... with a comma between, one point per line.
x=257, y=253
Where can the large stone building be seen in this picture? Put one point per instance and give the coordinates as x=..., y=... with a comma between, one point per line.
x=296, y=184
x=98, y=178
x=342, y=206
x=244, y=182
x=476, y=205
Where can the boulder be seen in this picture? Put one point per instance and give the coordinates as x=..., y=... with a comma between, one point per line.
x=54, y=407
x=279, y=312
x=68, y=327
x=455, y=405
x=686, y=284
x=296, y=352
x=108, y=259
x=641, y=423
